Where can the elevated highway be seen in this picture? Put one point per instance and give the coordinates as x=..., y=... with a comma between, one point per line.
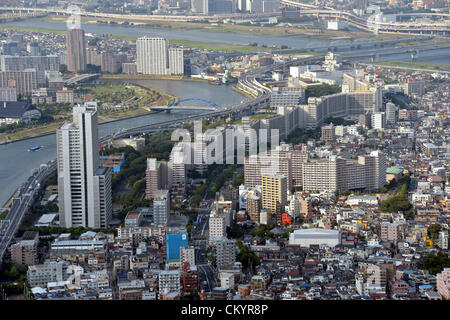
x=370, y=24
x=247, y=83
x=81, y=78
x=136, y=17
x=21, y=203
x=181, y=107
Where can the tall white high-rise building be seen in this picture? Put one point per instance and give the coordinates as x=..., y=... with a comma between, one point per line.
x=153, y=56
x=176, y=61
x=378, y=120
x=84, y=188
x=187, y=254
x=169, y=281
x=217, y=227
x=199, y=153
x=443, y=239
x=200, y=6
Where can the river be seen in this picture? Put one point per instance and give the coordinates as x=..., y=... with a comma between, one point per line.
x=180, y=34
x=440, y=56
x=17, y=163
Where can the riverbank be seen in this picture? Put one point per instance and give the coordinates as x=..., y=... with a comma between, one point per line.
x=99, y=121
x=247, y=29
x=11, y=17
x=224, y=47
x=104, y=116
x=416, y=66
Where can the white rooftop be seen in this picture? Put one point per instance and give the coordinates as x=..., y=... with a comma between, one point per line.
x=47, y=218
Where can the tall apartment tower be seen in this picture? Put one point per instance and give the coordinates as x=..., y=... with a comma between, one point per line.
x=379, y=120
x=274, y=193
x=200, y=155
x=200, y=6
x=176, y=61
x=84, y=188
x=152, y=56
x=375, y=167
x=76, y=50
x=390, y=113
x=217, y=227
x=179, y=157
x=152, y=178
x=254, y=207
x=156, y=177
x=161, y=207
x=225, y=252
x=443, y=239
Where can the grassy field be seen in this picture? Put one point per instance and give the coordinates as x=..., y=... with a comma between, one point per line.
x=211, y=27
x=106, y=115
x=28, y=29
x=416, y=65
x=260, y=116
x=32, y=132
x=226, y=47
x=111, y=93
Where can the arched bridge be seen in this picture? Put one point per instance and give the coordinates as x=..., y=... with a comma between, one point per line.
x=177, y=105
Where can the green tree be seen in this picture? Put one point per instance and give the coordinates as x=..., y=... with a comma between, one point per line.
x=63, y=68
x=247, y=257
x=238, y=180
x=433, y=230
x=435, y=263
x=235, y=232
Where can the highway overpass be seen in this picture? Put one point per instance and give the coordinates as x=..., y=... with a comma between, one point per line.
x=21, y=203
x=365, y=23
x=138, y=17
x=81, y=78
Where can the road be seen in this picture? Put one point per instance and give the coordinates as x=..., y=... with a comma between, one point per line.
x=199, y=240
x=21, y=204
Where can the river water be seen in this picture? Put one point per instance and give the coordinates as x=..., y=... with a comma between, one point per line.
x=180, y=34
x=440, y=56
x=17, y=163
